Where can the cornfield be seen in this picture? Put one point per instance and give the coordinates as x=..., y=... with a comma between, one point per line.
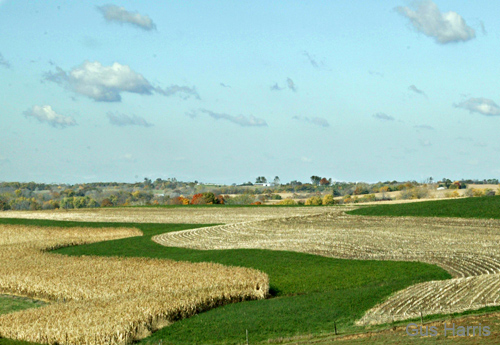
x=467, y=248
x=100, y=300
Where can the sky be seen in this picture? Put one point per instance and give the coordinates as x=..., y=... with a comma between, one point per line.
x=225, y=91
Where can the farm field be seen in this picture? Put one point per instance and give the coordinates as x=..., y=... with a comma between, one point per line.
x=191, y=215
x=310, y=292
x=325, y=267
x=467, y=248
x=97, y=300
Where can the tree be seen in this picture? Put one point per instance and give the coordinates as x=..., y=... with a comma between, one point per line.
x=324, y=182
x=277, y=181
x=315, y=180
x=261, y=179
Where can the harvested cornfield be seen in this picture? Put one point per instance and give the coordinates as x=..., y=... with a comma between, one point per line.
x=467, y=248
x=101, y=300
x=191, y=215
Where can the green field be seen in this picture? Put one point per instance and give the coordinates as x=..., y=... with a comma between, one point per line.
x=310, y=292
x=483, y=207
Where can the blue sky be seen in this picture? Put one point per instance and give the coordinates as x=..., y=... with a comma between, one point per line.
x=226, y=91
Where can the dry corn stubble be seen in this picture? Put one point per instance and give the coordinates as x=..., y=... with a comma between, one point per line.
x=467, y=248
x=100, y=300
x=192, y=215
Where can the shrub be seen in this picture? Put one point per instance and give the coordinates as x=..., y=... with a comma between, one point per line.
x=198, y=199
x=454, y=194
x=287, y=201
x=314, y=201
x=220, y=199
x=244, y=199
x=414, y=193
x=328, y=200
x=209, y=198
x=477, y=192
x=4, y=205
x=489, y=192
x=256, y=203
x=106, y=203
x=368, y=198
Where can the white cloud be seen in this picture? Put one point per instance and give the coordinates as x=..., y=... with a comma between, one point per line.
x=46, y=114
x=244, y=121
x=126, y=120
x=383, y=117
x=318, y=121
x=443, y=27
x=113, y=13
x=106, y=83
x=482, y=106
x=4, y=62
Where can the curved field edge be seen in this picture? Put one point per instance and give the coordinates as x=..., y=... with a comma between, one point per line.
x=312, y=292
x=487, y=207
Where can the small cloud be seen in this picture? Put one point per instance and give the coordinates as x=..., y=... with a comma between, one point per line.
x=224, y=85
x=425, y=143
x=482, y=106
x=306, y=159
x=383, y=117
x=443, y=27
x=318, y=121
x=106, y=83
x=125, y=120
x=276, y=87
x=185, y=91
x=291, y=85
x=46, y=114
x=244, y=121
x=427, y=127
x=4, y=62
x=113, y=13
x=416, y=90
x=313, y=61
